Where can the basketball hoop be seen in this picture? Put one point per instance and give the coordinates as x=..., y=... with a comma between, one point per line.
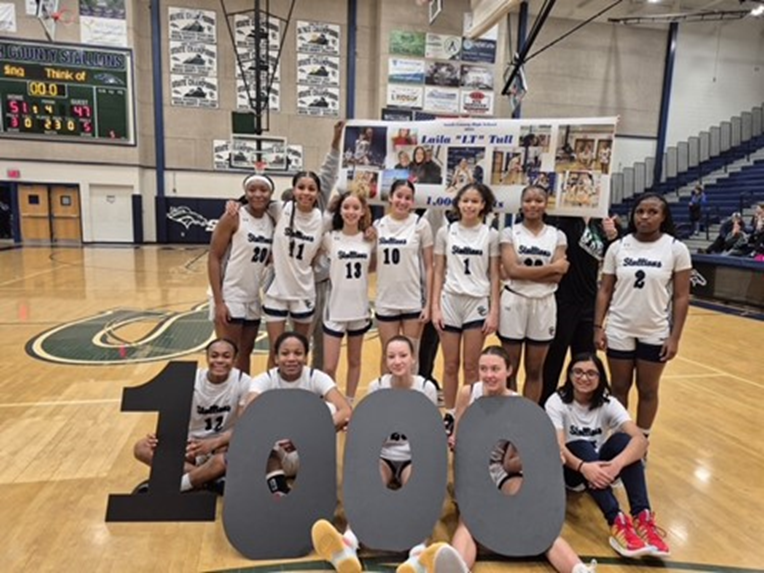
x=64, y=16
x=260, y=166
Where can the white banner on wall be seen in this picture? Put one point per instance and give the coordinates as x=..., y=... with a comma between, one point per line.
x=188, y=25
x=318, y=38
x=318, y=101
x=103, y=31
x=405, y=96
x=193, y=58
x=194, y=91
x=318, y=70
x=441, y=47
x=561, y=155
x=270, y=31
x=244, y=90
x=441, y=100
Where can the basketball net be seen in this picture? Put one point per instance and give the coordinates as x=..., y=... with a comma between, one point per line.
x=260, y=166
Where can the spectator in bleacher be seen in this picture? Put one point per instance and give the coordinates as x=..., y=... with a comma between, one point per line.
x=754, y=245
x=697, y=208
x=731, y=234
x=757, y=220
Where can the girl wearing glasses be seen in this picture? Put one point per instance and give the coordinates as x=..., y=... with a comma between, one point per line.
x=600, y=444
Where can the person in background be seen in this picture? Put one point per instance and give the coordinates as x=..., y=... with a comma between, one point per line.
x=697, y=207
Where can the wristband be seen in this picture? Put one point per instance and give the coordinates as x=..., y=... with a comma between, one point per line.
x=578, y=469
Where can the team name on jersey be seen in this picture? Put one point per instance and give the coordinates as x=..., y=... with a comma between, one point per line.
x=456, y=250
x=214, y=409
x=351, y=255
x=641, y=262
x=391, y=241
x=252, y=238
x=586, y=432
x=534, y=250
x=297, y=234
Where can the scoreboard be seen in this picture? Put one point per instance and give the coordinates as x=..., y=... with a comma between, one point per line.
x=58, y=92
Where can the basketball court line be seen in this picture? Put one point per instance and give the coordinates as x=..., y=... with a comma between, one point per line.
x=25, y=277
x=60, y=403
x=721, y=372
x=689, y=376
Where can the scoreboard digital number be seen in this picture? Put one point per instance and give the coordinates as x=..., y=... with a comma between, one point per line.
x=66, y=93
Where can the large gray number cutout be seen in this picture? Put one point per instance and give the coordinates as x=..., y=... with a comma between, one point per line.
x=380, y=517
x=257, y=524
x=528, y=522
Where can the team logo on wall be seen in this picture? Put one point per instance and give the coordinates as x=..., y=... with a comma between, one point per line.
x=188, y=218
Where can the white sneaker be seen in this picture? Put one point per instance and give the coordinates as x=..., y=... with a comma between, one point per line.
x=437, y=558
x=331, y=547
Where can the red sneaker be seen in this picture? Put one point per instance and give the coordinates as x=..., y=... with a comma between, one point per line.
x=625, y=540
x=651, y=534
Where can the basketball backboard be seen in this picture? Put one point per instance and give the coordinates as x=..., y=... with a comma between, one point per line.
x=488, y=13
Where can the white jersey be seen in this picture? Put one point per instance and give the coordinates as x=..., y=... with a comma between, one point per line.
x=397, y=448
x=349, y=259
x=644, y=283
x=580, y=423
x=294, y=248
x=247, y=257
x=500, y=449
x=468, y=252
x=214, y=407
x=533, y=251
x=400, y=265
x=312, y=380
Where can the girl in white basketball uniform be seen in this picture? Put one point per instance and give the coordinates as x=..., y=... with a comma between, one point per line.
x=341, y=550
x=404, y=280
x=292, y=373
x=505, y=465
x=351, y=259
x=465, y=296
x=644, y=295
x=239, y=254
x=533, y=257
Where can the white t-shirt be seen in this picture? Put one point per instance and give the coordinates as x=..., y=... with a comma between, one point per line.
x=643, y=291
x=468, y=252
x=312, y=380
x=400, y=266
x=500, y=449
x=580, y=423
x=247, y=256
x=349, y=259
x=397, y=448
x=214, y=407
x=533, y=251
x=293, y=252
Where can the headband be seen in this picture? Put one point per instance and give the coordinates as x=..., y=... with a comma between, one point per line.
x=257, y=177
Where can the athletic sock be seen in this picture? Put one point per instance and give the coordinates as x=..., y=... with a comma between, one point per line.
x=351, y=539
x=277, y=482
x=416, y=550
x=185, y=483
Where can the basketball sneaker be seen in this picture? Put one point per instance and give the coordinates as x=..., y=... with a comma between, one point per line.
x=448, y=423
x=142, y=487
x=625, y=540
x=332, y=547
x=650, y=533
x=437, y=558
x=581, y=568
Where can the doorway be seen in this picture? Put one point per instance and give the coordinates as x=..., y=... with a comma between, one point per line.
x=50, y=214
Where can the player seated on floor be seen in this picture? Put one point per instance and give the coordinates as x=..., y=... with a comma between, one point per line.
x=505, y=465
x=219, y=390
x=600, y=444
x=341, y=550
x=292, y=373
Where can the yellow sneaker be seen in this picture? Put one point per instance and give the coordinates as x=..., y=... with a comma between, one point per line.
x=332, y=547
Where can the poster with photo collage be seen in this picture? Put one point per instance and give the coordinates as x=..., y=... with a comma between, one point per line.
x=318, y=69
x=193, y=58
x=442, y=74
x=571, y=158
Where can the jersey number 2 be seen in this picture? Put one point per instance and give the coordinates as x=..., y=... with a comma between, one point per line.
x=639, y=281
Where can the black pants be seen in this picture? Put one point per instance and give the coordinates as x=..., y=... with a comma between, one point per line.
x=428, y=350
x=575, y=330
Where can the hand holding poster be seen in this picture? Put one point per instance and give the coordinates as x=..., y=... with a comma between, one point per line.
x=565, y=156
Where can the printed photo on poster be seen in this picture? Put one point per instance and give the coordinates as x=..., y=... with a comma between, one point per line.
x=427, y=164
x=442, y=47
x=477, y=77
x=403, y=137
x=465, y=165
x=113, y=9
x=318, y=101
x=405, y=96
x=364, y=182
x=295, y=158
x=442, y=74
x=604, y=150
x=508, y=166
x=579, y=146
x=189, y=25
x=476, y=102
x=221, y=154
x=193, y=58
x=386, y=180
x=479, y=50
x=405, y=71
x=580, y=189
x=404, y=43
x=441, y=100
x=364, y=145
x=194, y=91
x=245, y=95
x=270, y=32
x=318, y=38
x=318, y=70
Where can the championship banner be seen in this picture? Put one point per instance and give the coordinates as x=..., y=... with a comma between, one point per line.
x=565, y=156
